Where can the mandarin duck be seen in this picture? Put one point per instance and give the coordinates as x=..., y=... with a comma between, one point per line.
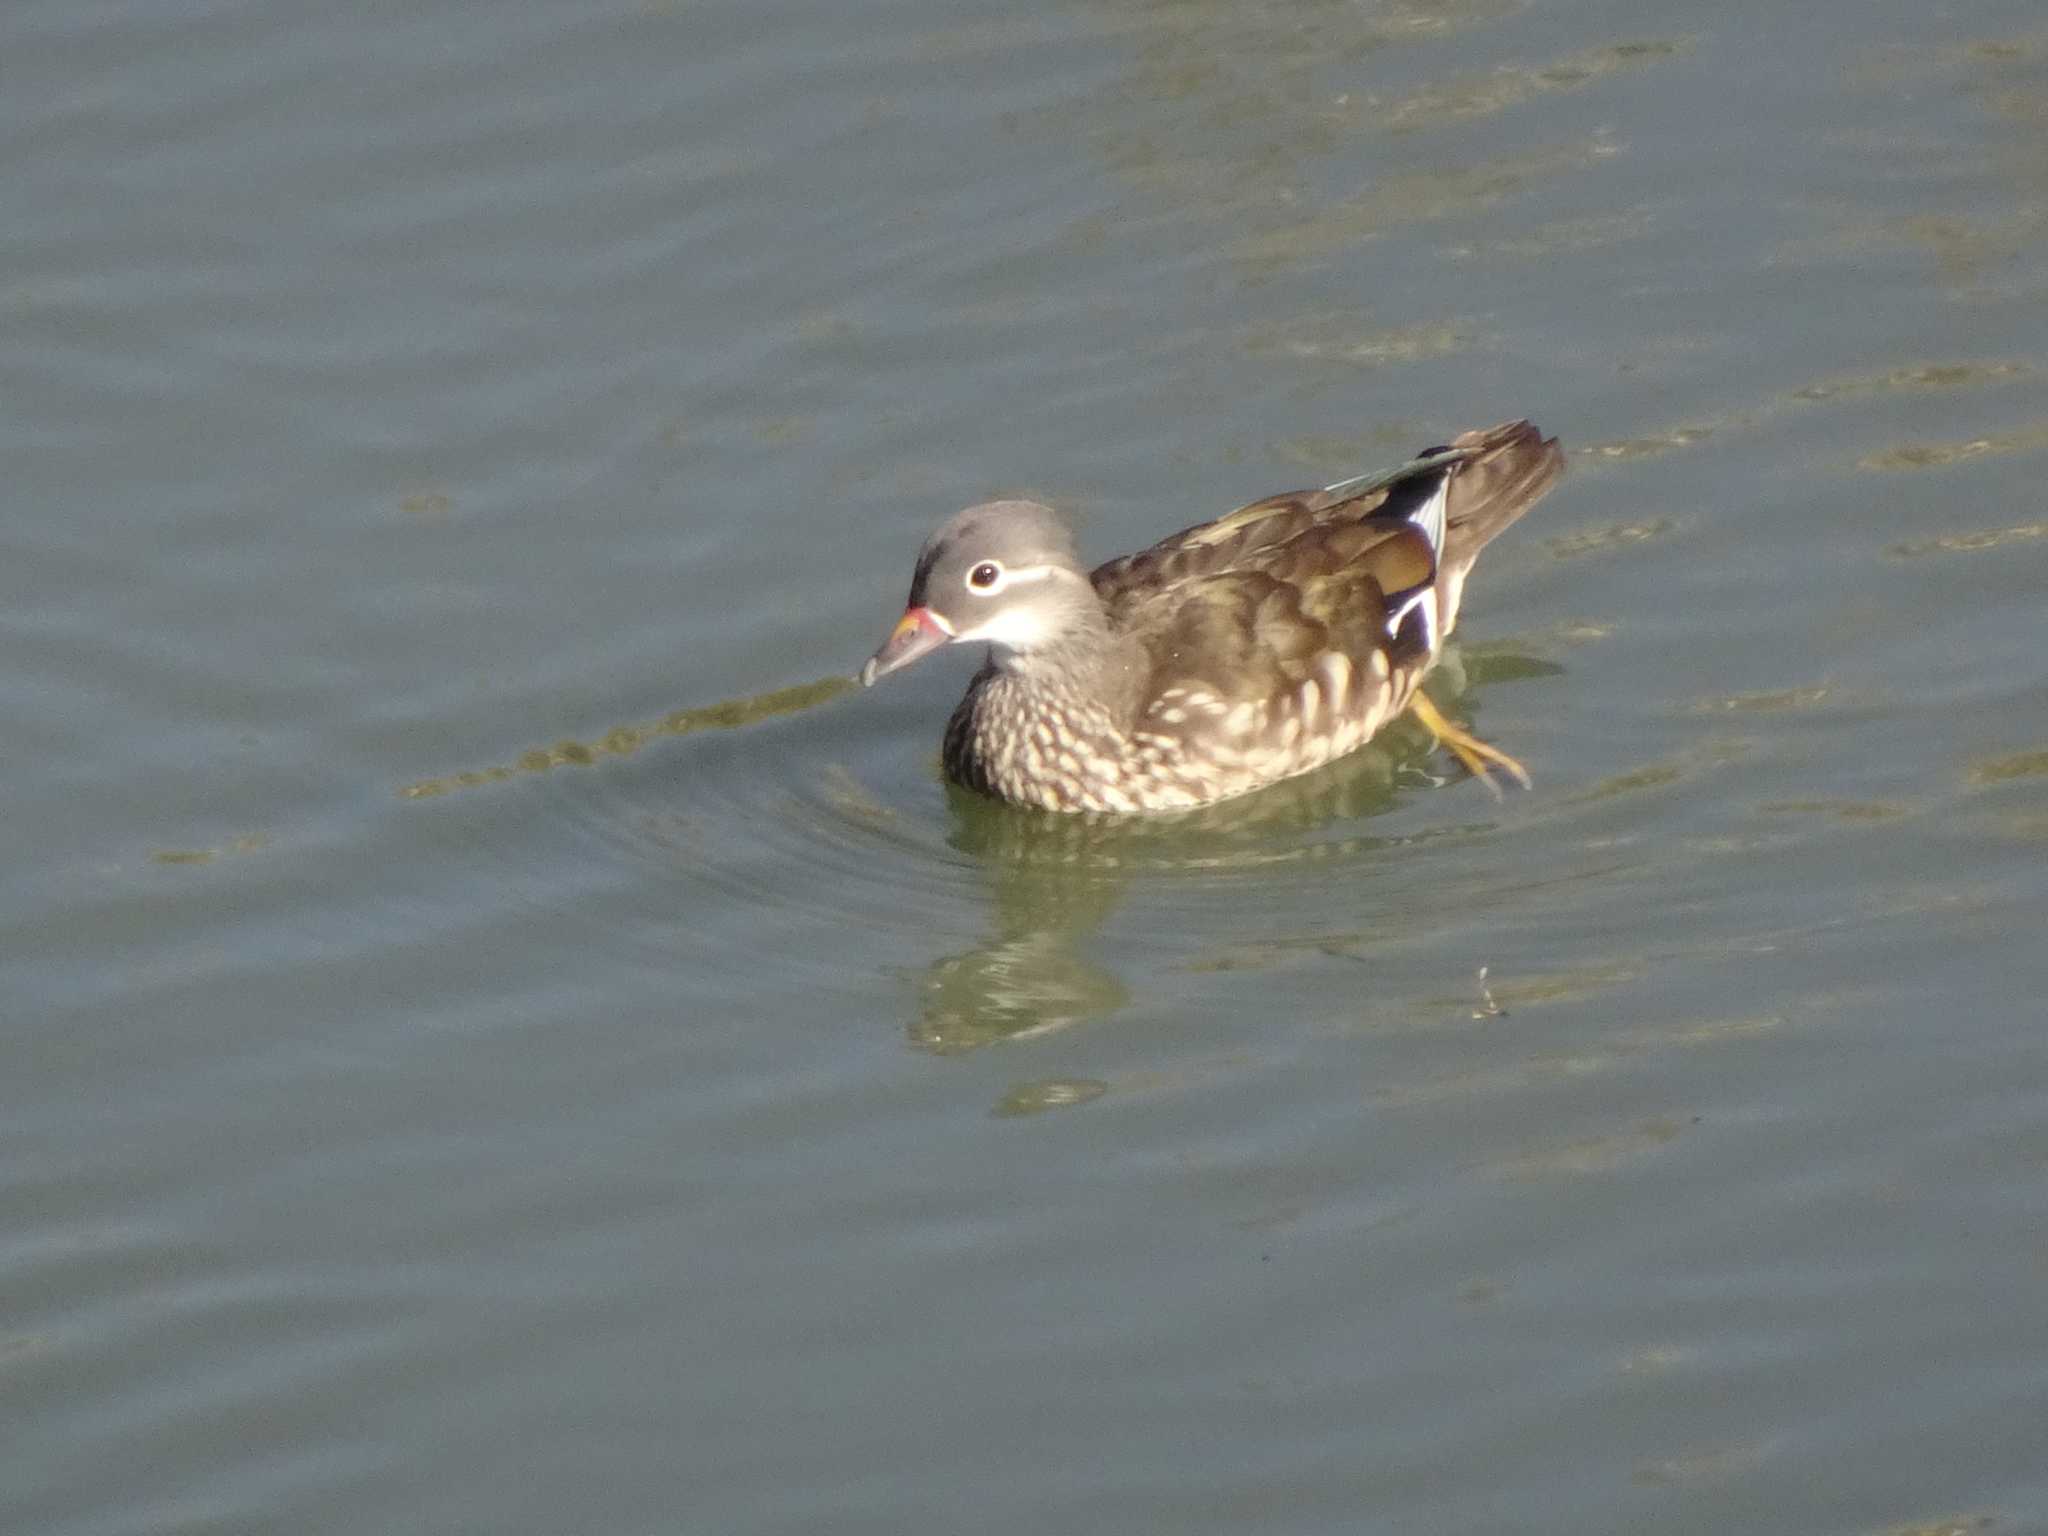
x=1227, y=656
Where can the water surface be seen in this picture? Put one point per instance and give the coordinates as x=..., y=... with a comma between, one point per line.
x=503, y=1039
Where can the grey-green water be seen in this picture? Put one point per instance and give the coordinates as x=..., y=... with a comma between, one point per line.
x=493, y=1043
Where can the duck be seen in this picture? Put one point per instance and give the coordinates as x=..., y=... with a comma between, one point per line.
x=1226, y=657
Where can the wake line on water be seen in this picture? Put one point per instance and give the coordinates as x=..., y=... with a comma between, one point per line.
x=622, y=741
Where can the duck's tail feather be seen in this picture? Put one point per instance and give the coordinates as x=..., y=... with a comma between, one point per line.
x=1505, y=471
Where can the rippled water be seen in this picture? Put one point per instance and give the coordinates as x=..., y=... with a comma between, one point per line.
x=505, y=1037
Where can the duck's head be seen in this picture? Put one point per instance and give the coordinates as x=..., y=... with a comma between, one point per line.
x=1004, y=573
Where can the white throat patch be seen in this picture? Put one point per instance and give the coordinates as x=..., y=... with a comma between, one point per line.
x=1020, y=622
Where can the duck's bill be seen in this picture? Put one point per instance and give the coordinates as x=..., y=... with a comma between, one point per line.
x=918, y=633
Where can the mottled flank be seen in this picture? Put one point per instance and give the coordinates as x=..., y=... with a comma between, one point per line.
x=1224, y=658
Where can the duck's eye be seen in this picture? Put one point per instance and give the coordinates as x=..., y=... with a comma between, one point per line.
x=984, y=576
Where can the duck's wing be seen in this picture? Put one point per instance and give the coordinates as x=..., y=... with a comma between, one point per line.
x=1254, y=675
x=1264, y=619
x=1399, y=527
x=1273, y=533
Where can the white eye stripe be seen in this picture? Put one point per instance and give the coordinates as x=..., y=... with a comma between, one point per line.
x=1004, y=577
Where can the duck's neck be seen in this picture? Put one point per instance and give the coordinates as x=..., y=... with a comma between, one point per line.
x=1087, y=660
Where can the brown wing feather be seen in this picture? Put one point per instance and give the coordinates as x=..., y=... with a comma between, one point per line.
x=1251, y=538
x=1505, y=470
x=1245, y=631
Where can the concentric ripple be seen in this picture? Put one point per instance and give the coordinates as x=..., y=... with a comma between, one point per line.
x=803, y=825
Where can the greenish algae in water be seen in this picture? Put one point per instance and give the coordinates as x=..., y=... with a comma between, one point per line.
x=621, y=741
x=1048, y=1093
x=1769, y=701
x=1967, y=543
x=2014, y=765
x=1590, y=541
x=249, y=842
